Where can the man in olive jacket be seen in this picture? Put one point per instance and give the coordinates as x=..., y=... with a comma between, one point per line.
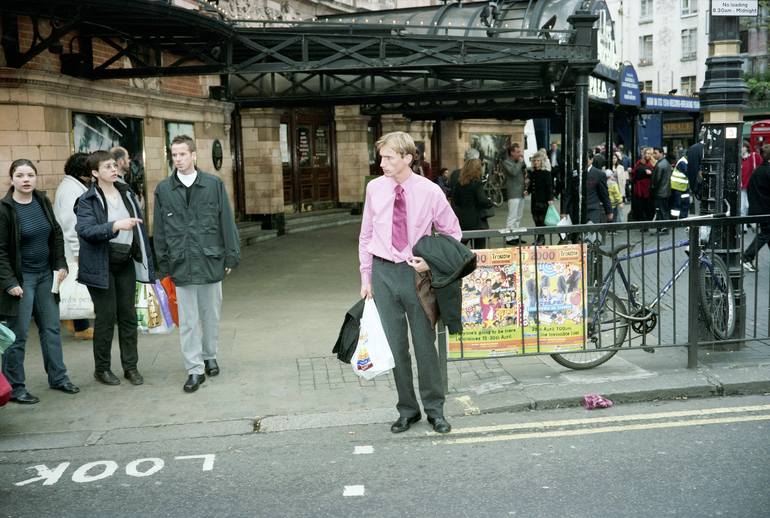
x=197, y=244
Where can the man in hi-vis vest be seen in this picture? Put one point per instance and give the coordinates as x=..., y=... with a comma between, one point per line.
x=680, y=190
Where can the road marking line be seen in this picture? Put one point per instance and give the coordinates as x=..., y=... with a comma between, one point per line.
x=605, y=429
x=363, y=450
x=609, y=419
x=354, y=491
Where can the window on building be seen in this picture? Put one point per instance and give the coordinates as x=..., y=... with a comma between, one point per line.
x=688, y=86
x=689, y=7
x=646, y=11
x=645, y=50
x=743, y=35
x=646, y=86
x=689, y=44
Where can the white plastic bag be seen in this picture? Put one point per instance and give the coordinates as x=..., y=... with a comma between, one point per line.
x=372, y=356
x=565, y=221
x=74, y=300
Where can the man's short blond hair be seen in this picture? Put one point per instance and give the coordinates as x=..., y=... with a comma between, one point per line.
x=399, y=141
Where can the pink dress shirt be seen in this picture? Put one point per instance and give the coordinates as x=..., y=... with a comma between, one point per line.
x=426, y=208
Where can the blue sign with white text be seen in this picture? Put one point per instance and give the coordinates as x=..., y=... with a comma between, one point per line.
x=669, y=103
x=628, y=87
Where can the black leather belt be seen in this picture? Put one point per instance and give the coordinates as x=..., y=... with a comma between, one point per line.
x=382, y=260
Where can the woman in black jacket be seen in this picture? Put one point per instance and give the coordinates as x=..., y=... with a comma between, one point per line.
x=541, y=190
x=470, y=202
x=31, y=262
x=112, y=238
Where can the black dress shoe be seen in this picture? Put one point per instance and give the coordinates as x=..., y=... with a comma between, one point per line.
x=440, y=425
x=402, y=424
x=193, y=382
x=211, y=366
x=133, y=377
x=67, y=388
x=106, y=377
x=25, y=399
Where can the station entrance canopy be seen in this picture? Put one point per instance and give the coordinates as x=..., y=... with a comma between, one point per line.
x=493, y=58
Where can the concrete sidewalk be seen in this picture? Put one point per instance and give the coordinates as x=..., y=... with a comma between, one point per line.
x=282, y=311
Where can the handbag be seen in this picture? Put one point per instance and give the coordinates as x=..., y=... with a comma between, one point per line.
x=488, y=212
x=148, y=312
x=372, y=356
x=166, y=324
x=7, y=338
x=170, y=289
x=566, y=221
x=74, y=300
x=141, y=268
x=119, y=253
x=160, y=293
x=5, y=390
x=552, y=216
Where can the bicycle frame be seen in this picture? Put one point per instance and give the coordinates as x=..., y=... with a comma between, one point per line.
x=633, y=302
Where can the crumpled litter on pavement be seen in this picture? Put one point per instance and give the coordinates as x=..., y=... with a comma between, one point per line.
x=592, y=401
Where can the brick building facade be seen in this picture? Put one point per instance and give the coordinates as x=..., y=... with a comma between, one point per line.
x=40, y=108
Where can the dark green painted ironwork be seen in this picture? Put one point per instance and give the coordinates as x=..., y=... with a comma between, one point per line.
x=300, y=63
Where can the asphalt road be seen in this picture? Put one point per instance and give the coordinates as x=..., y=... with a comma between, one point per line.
x=695, y=458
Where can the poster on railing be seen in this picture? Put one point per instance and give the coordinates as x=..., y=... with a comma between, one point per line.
x=516, y=303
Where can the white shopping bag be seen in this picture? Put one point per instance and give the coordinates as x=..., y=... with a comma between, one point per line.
x=565, y=221
x=372, y=356
x=74, y=300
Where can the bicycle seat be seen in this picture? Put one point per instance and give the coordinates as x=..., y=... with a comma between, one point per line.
x=615, y=251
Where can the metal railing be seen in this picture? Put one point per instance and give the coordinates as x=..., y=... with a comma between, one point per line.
x=641, y=290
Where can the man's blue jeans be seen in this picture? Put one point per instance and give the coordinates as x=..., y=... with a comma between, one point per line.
x=38, y=301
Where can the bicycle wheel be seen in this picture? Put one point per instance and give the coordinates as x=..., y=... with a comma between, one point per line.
x=717, y=300
x=494, y=194
x=612, y=331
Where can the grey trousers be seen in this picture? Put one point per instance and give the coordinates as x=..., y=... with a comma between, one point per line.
x=515, y=212
x=199, y=303
x=396, y=298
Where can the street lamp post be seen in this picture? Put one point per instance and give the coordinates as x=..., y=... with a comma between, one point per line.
x=723, y=98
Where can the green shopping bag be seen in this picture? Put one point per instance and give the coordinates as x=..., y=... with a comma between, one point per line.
x=7, y=337
x=552, y=217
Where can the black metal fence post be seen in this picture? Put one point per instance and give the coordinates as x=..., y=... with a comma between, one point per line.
x=693, y=326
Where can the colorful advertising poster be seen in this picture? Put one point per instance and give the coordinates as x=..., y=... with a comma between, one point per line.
x=516, y=303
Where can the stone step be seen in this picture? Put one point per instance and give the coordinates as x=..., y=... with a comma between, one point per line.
x=252, y=232
x=307, y=221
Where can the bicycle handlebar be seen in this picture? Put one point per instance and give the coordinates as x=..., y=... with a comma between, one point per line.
x=725, y=214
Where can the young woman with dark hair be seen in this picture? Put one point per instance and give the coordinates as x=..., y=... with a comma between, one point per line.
x=31, y=261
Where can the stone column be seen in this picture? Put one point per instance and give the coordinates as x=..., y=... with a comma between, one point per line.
x=262, y=167
x=452, y=144
x=352, y=153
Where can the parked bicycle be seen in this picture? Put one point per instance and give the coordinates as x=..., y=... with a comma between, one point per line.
x=493, y=184
x=610, y=316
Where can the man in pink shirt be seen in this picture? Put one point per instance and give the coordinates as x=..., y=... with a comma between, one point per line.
x=402, y=207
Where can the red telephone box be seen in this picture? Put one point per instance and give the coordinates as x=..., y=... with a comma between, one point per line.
x=760, y=135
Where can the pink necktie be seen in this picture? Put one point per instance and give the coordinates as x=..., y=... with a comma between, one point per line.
x=400, y=236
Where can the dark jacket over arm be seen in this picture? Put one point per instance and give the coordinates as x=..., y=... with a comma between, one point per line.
x=347, y=341
x=449, y=262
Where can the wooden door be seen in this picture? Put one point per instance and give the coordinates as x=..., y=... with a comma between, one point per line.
x=309, y=181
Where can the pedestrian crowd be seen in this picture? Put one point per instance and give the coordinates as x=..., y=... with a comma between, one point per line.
x=95, y=229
